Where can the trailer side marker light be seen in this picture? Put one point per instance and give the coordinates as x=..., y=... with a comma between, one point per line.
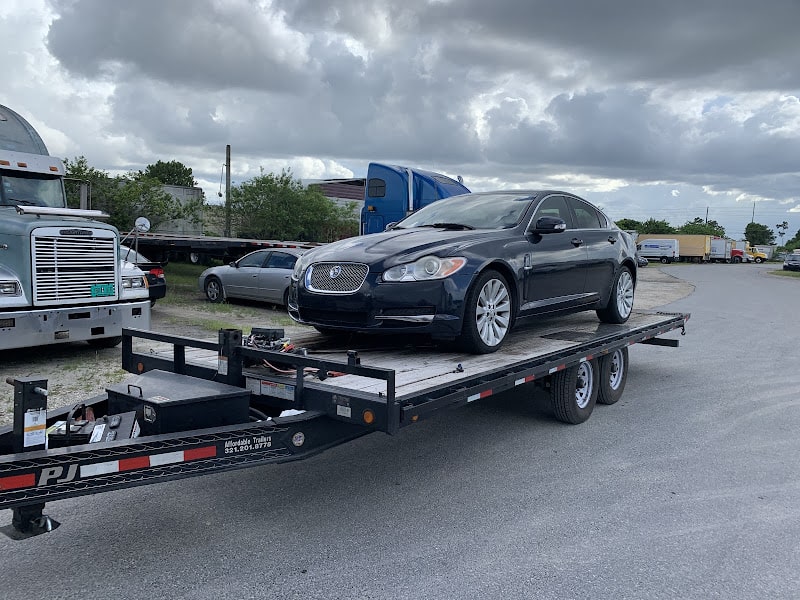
x=17, y=481
x=368, y=416
x=527, y=379
x=483, y=394
x=22, y=165
x=140, y=367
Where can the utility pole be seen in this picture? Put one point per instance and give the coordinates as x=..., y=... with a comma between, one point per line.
x=753, y=218
x=228, y=190
x=706, y=215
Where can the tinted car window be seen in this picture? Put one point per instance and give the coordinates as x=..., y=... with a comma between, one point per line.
x=585, y=215
x=479, y=211
x=554, y=206
x=256, y=259
x=281, y=260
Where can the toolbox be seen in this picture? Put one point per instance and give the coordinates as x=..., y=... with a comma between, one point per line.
x=167, y=402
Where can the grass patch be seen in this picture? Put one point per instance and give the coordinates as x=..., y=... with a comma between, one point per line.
x=782, y=273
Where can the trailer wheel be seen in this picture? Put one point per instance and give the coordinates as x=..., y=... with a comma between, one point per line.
x=573, y=392
x=109, y=342
x=214, y=290
x=620, y=302
x=613, y=375
x=488, y=311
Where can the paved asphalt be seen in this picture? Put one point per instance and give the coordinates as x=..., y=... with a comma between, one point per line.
x=688, y=487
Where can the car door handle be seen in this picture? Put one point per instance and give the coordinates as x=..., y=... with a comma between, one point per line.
x=612, y=239
x=576, y=242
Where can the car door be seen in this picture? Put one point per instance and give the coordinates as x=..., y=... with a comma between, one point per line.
x=600, y=242
x=241, y=281
x=555, y=263
x=274, y=278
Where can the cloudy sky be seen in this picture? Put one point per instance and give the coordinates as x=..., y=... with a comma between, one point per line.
x=671, y=110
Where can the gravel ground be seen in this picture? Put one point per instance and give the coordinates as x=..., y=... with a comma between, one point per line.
x=76, y=372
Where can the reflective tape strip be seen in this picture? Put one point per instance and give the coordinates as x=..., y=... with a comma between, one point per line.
x=483, y=394
x=558, y=368
x=527, y=379
x=143, y=462
x=17, y=481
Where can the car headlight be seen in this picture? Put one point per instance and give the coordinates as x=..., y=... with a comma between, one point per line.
x=134, y=282
x=10, y=288
x=424, y=269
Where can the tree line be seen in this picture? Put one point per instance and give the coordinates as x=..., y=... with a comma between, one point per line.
x=755, y=233
x=268, y=206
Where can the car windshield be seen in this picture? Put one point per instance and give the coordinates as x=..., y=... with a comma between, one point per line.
x=130, y=255
x=471, y=211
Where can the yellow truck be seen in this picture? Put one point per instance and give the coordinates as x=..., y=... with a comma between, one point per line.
x=693, y=248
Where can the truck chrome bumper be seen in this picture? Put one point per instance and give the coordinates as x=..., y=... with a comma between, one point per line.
x=74, y=324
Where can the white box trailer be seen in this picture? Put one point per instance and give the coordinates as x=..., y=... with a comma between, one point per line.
x=665, y=250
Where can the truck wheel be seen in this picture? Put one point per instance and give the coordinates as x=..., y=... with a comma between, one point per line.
x=488, y=311
x=759, y=260
x=613, y=375
x=109, y=342
x=214, y=290
x=736, y=260
x=620, y=302
x=573, y=392
x=664, y=260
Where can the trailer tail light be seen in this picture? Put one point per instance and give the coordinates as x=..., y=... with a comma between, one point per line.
x=368, y=416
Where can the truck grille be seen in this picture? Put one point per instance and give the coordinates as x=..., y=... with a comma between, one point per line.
x=79, y=268
x=336, y=278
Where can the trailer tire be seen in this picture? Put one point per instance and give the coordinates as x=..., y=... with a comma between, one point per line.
x=613, y=375
x=488, y=314
x=620, y=301
x=109, y=342
x=573, y=392
x=215, y=292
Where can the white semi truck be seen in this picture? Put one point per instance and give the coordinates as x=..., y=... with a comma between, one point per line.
x=61, y=275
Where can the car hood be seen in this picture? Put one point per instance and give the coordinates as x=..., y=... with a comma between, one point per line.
x=400, y=245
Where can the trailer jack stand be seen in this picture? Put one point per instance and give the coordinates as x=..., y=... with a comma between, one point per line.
x=28, y=521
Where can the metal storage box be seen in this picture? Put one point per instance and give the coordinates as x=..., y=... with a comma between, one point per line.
x=166, y=402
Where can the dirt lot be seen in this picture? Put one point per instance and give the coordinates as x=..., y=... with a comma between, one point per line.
x=76, y=372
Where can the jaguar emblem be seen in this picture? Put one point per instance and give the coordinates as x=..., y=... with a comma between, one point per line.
x=335, y=272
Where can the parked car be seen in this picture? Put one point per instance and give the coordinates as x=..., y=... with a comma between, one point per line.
x=262, y=275
x=467, y=268
x=154, y=271
x=641, y=261
x=791, y=262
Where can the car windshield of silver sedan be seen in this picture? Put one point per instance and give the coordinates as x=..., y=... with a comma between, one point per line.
x=470, y=211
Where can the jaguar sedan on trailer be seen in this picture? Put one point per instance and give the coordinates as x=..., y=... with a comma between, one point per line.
x=467, y=268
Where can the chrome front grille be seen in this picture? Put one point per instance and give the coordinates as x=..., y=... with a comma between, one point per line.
x=336, y=278
x=77, y=266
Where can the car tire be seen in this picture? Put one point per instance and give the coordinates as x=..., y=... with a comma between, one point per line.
x=620, y=301
x=109, y=342
x=613, y=369
x=215, y=292
x=488, y=314
x=573, y=392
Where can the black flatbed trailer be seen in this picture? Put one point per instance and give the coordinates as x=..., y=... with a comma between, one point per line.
x=162, y=247
x=303, y=396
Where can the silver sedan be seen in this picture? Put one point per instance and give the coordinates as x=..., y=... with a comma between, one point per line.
x=263, y=275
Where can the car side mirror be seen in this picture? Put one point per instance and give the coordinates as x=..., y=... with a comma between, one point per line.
x=233, y=264
x=549, y=225
x=390, y=226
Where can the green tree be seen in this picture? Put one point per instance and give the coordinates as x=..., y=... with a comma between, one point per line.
x=170, y=173
x=271, y=206
x=629, y=225
x=655, y=226
x=759, y=235
x=699, y=226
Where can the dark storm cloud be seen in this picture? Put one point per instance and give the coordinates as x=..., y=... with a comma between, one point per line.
x=518, y=91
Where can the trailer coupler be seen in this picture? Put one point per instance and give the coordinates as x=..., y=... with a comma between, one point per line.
x=28, y=521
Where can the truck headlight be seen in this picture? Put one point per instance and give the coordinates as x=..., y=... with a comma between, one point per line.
x=10, y=288
x=134, y=282
x=426, y=268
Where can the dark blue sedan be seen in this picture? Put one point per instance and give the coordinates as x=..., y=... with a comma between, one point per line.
x=467, y=268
